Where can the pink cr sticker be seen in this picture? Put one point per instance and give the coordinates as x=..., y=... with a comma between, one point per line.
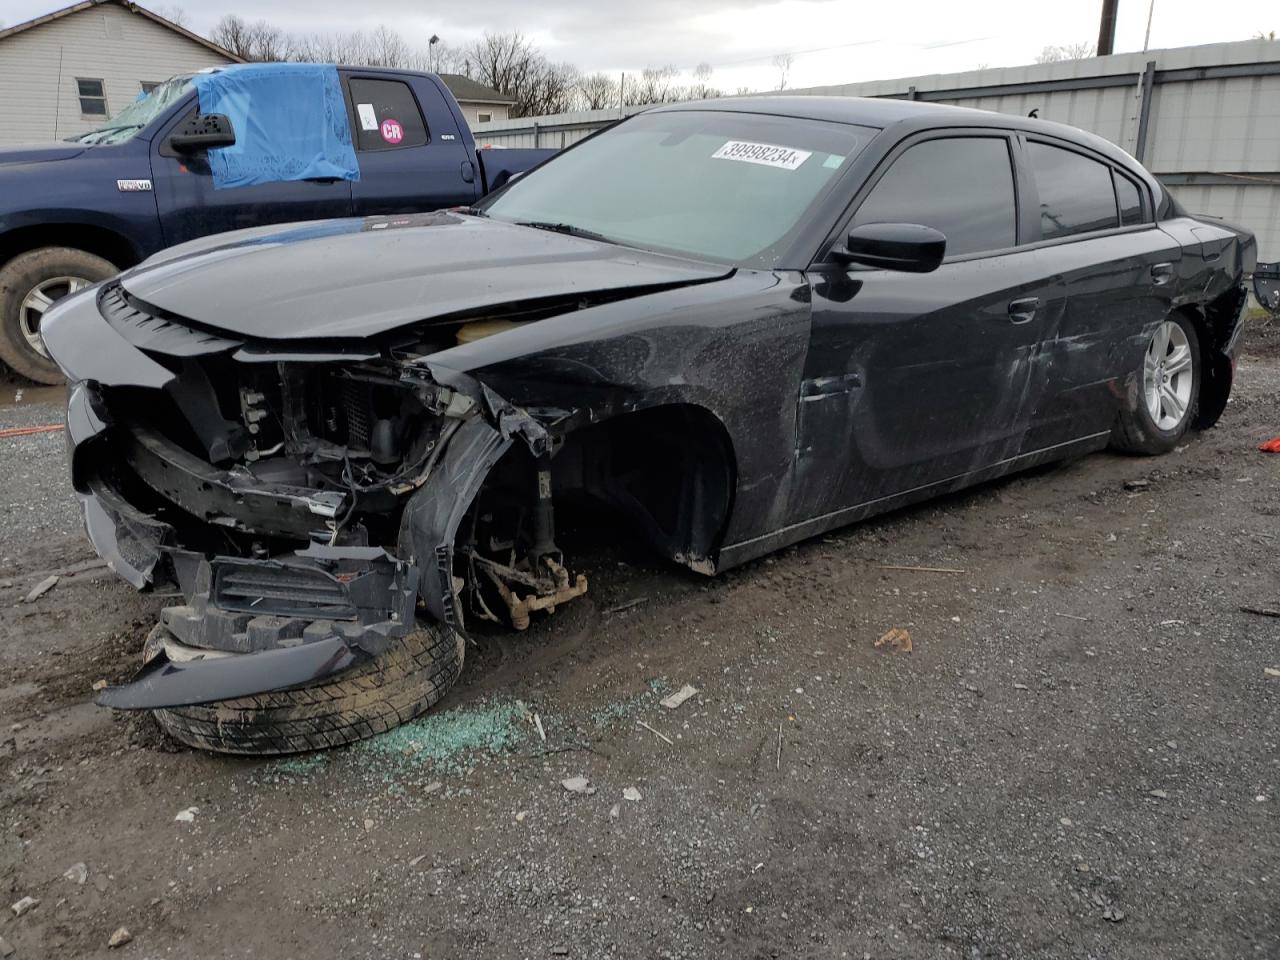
x=392, y=131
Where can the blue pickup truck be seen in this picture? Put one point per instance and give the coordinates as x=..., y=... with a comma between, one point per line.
x=76, y=212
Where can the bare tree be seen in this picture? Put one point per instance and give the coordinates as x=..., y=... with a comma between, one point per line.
x=269, y=42
x=655, y=85
x=1068, y=51
x=783, y=62
x=701, y=88
x=231, y=33
x=173, y=13
x=505, y=61
x=388, y=48
x=597, y=91
x=258, y=41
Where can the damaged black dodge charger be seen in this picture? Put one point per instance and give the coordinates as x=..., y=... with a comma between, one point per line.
x=736, y=324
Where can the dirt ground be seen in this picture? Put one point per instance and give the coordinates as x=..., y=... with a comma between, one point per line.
x=1080, y=757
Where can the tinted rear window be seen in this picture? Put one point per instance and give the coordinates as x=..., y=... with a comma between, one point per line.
x=962, y=186
x=1076, y=195
x=386, y=115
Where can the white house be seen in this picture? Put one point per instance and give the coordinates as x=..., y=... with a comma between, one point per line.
x=480, y=104
x=68, y=71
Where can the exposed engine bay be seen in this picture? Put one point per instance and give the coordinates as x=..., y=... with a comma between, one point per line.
x=273, y=458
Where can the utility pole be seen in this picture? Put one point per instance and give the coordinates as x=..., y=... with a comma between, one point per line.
x=1151, y=12
x=1107, y=27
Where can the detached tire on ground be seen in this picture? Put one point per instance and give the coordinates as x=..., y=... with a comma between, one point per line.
x=30, y=283
x=372, y=698
x=1161, y=404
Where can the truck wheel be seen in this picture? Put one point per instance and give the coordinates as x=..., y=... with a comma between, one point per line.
x=1166, y=388
x=29, y=285
x=372, y=698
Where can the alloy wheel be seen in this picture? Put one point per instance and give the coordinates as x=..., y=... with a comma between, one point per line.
x=41, y=297
x=1167, y=376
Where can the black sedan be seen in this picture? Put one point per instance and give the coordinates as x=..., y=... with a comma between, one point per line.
x=734, y=324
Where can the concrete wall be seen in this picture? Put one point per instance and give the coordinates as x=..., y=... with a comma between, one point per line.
x=1212, y=132
x=39, y=67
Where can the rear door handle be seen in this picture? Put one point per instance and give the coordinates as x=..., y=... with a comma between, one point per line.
x=1024, y=310
x=1161, y=273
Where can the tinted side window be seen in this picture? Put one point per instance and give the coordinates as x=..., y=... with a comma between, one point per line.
x=386, y=115
x=962, y=186
x=1076, y=194
x=1130, y=200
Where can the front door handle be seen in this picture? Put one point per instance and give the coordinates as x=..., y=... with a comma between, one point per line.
x=1024, y=310
x=1161, y=273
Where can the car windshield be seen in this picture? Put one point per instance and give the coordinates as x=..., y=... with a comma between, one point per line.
x=126, y=124
x=723, y=186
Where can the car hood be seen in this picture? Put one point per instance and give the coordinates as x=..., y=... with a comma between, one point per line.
x=363, y=277
x=40, y=152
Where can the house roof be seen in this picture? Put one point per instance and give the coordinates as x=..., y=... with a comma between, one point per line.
x=132, y=8
x=464, y=88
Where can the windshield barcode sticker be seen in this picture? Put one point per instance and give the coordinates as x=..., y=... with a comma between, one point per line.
x=765, y=154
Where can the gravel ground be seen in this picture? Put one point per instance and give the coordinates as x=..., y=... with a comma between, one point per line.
x=1079, y=757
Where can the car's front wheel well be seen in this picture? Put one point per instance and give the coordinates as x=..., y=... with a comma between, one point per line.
x=99, y=241
x=671, y=469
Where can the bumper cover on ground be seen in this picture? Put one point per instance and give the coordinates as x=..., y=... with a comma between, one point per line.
x=257, y=626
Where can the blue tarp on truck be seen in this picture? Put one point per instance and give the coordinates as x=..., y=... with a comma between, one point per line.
x=293, y=128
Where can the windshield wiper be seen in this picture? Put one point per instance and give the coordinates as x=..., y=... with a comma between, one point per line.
x=567, y=228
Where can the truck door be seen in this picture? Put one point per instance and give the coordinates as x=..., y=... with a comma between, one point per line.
x=190, y=207
x=407, y=165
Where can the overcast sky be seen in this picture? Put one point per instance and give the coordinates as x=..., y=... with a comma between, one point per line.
x=834, y=41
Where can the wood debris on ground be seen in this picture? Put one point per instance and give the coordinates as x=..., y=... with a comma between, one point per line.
x=897, y=639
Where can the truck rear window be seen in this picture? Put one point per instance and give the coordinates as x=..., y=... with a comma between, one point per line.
x=385, y=115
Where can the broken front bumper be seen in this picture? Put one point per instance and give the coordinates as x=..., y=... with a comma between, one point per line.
x=279, y=589
x=248, y=625
x=254, y=626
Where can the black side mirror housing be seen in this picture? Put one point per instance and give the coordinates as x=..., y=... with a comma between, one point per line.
x=909, y=247
x=204, y=131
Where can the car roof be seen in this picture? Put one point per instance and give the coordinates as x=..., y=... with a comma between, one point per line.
x=910, y=115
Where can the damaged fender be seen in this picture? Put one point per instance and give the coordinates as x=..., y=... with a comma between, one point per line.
x=432, y=515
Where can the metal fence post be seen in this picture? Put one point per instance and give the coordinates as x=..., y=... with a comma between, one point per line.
x=1148, y=82
x=537, y=135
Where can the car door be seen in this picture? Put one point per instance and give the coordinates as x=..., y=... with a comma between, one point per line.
x=915, y=379
x=191, y=207
x=1113, y=274
x=405, y=165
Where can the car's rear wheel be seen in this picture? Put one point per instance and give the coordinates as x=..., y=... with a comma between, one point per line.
x=30, y=284
x=1162, y=399
x=369, y=699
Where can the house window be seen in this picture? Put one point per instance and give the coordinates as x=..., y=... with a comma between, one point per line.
x=483, y=117
x=93, y=99
x=148, y=85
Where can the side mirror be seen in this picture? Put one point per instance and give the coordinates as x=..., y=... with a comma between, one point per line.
x=204, y=131
x=910, y=247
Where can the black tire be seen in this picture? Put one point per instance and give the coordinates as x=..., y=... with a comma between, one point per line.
x=372, y=698
x=1135, y=431
x=18, y=278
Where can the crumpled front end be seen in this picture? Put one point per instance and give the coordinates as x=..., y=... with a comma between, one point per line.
x=305, y=502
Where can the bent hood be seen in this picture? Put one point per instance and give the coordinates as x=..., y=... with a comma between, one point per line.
x=360, y=278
